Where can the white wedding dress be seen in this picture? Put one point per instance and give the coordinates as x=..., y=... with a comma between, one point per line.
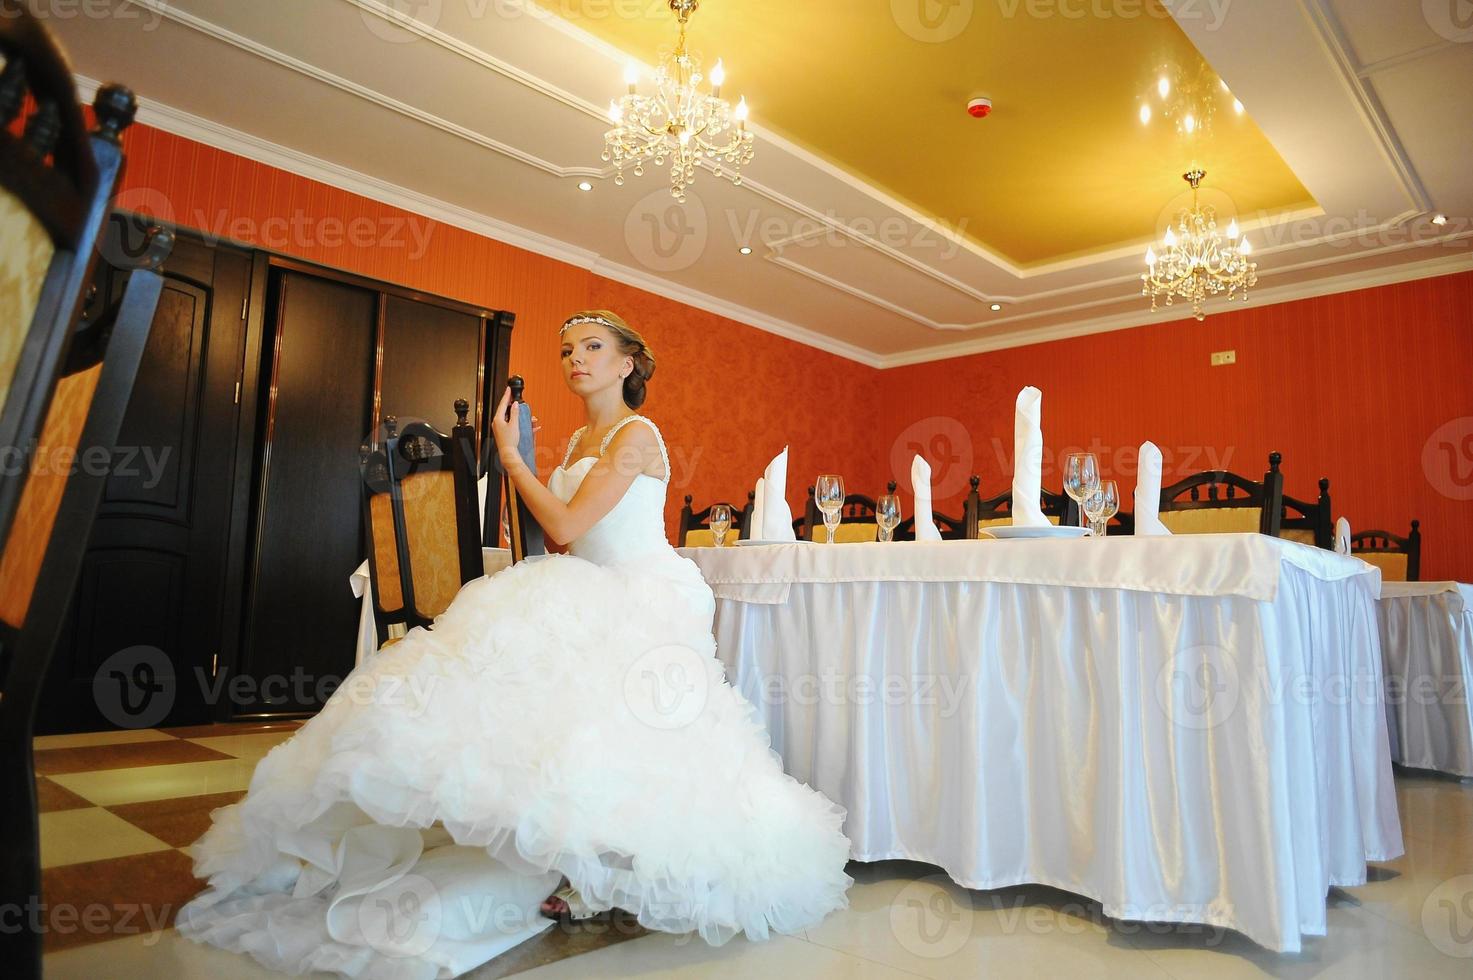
x=567, y=716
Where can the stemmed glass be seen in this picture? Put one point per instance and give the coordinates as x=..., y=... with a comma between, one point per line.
x=719, y=521
x=1081, y=479
x=828, y=494
x=1102, y=505
x=887, y=515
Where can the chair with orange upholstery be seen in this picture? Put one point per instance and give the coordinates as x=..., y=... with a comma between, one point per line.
x=978, y=514
x=695, y=530
x=1309, y=523
x=421, y=514
x=857, y=522
x=1399, y=558
x=1233, y=503
x=65, y=382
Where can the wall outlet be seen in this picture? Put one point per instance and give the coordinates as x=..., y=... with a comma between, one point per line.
x=1219, y=358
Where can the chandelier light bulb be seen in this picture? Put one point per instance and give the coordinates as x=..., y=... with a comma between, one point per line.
x=631, y=76
x=1150, y=257
x=741, y=110
x=1170, y=240
x=718, y=76
x=1244, y=248
x=615, y=113
x=1233, y=229
x=1145, y=114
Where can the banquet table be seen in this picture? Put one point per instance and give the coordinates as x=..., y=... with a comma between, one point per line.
x=1186, y=729
x=494, y=559
x=1427, y=652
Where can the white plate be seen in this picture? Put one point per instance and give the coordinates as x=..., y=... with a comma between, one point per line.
x=1050, y=531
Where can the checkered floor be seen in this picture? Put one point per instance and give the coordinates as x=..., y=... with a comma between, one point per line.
x=119, y=808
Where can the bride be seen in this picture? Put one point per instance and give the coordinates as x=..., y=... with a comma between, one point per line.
x=566, y=718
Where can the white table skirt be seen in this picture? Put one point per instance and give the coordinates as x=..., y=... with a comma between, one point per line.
x=1427, y=649
x=494, y=559
x=1211, y=758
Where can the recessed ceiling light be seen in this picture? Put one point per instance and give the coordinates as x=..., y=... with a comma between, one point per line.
x=746, y=250
x=1439, y=219
x=996, y=307
x=585, y=186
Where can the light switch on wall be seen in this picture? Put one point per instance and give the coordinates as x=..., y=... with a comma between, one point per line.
x=1219, y=358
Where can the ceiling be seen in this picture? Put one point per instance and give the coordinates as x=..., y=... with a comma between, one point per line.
x=884, y=223
x=1062, y=167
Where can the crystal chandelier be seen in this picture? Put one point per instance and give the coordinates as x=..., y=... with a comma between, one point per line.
x=679, y=121
x=1196, y=261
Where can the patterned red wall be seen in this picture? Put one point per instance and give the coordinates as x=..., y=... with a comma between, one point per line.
x=1372, y=388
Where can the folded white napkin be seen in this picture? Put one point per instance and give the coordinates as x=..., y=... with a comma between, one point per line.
x=759, y=506
x=1028, y=460
x=1342, y=537
x=920, y=482
x=1148, y=493
x=777, y=519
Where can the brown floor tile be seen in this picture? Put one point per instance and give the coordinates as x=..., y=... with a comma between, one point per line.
x=233, y=728
x=53, y=762
x=562, y=941
x=50, y=796
x=177, y=822
x=101, y=900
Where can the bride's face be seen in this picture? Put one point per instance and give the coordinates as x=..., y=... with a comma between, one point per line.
x=591, y=360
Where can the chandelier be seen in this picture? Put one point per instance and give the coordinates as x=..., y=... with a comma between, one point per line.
x=679, y=121
x=1195, y=261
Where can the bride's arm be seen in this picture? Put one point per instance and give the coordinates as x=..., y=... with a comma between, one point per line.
x=629, y=453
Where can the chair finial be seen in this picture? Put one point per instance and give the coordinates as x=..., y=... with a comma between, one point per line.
x=975, y=481
x=1274, y=459
x=890, y=487
x=116, y=106
x=462, y=409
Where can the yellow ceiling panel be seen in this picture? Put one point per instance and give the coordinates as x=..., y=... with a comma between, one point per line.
x=1063, y=166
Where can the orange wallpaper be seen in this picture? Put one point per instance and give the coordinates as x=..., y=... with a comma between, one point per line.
x=1369, y=388
x=723, y=416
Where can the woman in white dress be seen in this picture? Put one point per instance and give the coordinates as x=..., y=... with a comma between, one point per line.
x=566, y=718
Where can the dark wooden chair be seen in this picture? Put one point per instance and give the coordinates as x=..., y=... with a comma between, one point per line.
x=980, y=513
x=421, y=517
x=1399, y=558
x=1309, y=523
x=695, y=531
x=1216, y=501
x=65, y=383
x=951, y=528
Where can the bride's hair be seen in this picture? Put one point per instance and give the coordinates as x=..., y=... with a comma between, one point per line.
x=631, y=344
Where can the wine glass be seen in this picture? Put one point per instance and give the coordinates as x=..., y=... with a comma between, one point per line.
x=828, y=494
x=719, y=521
x=1100, y=506
x=887, y=515
x=1081, y=478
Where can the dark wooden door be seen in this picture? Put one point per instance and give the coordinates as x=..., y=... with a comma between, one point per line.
x=145, y=627
x=317, y=402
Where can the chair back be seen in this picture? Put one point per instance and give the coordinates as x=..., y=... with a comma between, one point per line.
x=695, y=531
x=951, y=528
x=421, y=516
x=1399, y=558
x=857, y=521
x=1309, y=523
x=1216, y=501
x=979, y=513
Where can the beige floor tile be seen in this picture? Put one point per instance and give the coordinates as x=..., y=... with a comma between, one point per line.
x=92, y=834
x=245, y=746
x=113, y=786
x=686, y=958
x=912, y=918
x=87, y=739
x=155, y=956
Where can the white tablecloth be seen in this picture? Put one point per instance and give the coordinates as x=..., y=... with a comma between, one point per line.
x=1186, y=729
x=495, y=559
x=1427, y=650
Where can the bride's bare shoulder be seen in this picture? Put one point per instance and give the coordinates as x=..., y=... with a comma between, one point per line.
x=637, y=446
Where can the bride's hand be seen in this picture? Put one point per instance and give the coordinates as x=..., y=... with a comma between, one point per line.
x=508, y=432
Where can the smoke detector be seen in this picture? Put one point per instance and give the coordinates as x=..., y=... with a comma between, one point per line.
x=979, y=108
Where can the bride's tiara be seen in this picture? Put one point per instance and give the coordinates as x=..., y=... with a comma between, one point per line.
x=574, y=321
